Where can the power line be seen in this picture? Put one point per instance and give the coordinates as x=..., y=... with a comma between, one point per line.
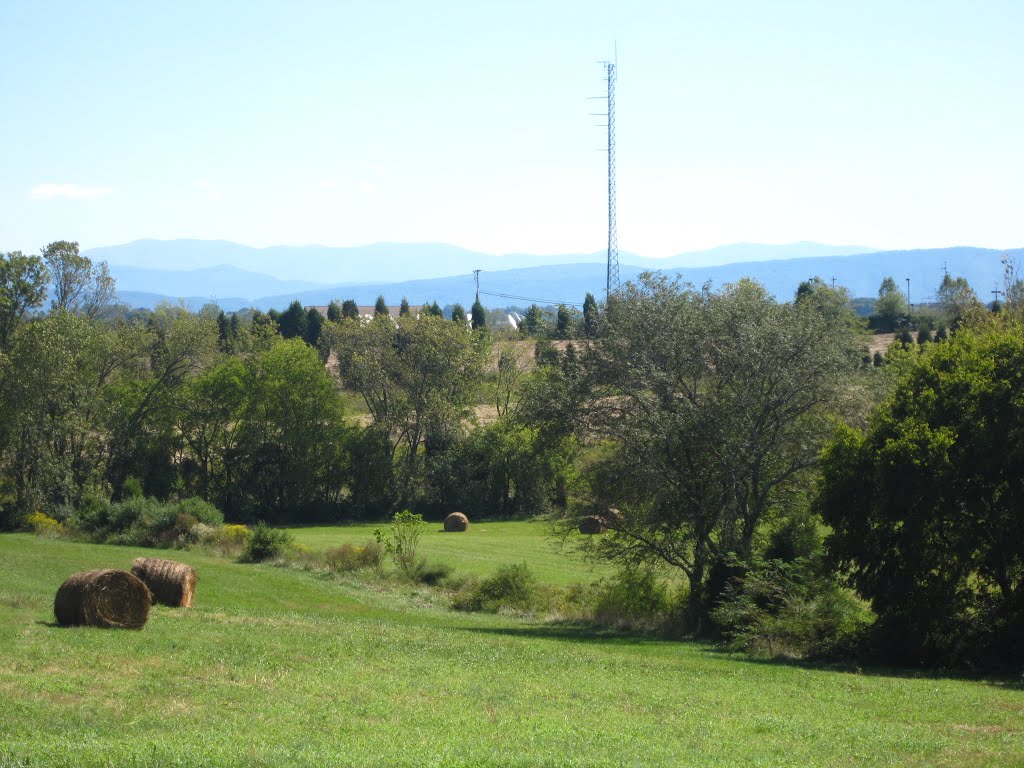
x=531, y=299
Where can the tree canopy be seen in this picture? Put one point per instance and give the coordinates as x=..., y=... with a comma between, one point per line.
x=927, y=504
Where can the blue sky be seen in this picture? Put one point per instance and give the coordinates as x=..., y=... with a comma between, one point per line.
x=889, y=124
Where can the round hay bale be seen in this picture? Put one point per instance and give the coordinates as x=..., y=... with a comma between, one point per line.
x=103, y=598
x=591, y=524
x=456, y=522
x=611, y=516
x=171, y=583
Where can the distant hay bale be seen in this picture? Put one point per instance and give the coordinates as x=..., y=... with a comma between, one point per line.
x=103, y=598
x=610, y=516
x=171, y=583
x=591, y=524
x=456, y=522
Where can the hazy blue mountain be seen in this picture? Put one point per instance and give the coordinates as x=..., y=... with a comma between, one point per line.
x=195, y=303
x=385, y=262
x=320, y=264
x=737, y=252
x=861, y=274
x=211, y=282
x=562, y=281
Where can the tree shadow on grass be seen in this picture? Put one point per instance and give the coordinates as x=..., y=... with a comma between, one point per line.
x=581, y=633
x=1012, y=680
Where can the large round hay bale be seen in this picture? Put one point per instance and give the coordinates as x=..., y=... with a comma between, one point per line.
x=456, y=522
x=591, y=524
x=610, y=516
x=172, y=583
x=103, y=598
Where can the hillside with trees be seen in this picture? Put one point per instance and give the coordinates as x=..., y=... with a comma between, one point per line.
x=810, y=497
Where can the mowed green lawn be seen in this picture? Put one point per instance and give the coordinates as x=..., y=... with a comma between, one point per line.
x=480, y=550
x=278, y=667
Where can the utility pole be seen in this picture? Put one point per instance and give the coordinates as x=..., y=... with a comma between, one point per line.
x=476, y=278
x=909, y=305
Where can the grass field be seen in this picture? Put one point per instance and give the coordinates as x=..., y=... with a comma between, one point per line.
x=277, y=667
x=479, y=551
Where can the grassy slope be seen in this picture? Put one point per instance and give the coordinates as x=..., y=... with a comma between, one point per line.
x=279, y=667
x=478, y=551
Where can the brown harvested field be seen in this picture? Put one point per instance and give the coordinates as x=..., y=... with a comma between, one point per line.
x=880, y=342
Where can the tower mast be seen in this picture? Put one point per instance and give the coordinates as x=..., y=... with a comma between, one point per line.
x=613, y=235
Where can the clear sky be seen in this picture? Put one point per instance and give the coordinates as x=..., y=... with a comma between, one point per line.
x=891, y=124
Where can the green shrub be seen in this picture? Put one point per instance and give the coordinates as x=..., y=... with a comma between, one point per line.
x=401, y=540
x=131, y=488
x=144, y=522
x=513, y=587
x=44, y=525
x=786, y=609
x=266, y=543
x=637, y=601
x=350, y=557
x=202, y=511
x=431, y=573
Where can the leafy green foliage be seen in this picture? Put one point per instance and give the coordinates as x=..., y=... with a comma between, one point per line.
x=417, y=378
x=513, y=587
x=265, y=544
x=23, y=281
x=926, y=504
x=890, y=308
x=713, y=406
x=402, y=539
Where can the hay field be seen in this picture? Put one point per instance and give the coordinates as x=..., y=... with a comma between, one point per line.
x=479, y=551
x=277, y=667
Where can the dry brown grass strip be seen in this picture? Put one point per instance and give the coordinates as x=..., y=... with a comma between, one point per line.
x=105, y=598
x=172, y=583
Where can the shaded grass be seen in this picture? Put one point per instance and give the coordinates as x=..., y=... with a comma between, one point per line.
x=276, y=666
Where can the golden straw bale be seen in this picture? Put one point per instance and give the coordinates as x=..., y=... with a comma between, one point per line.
x=103, y=598
x=456, y=522
x=172, y=583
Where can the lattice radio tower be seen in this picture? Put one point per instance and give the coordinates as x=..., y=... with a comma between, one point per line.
x=613, y=234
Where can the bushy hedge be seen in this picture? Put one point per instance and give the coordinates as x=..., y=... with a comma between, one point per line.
x=142, y=522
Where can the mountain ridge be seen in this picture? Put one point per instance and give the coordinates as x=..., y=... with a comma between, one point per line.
x=861, y=274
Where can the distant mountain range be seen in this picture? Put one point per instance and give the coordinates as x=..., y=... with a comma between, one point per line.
x=236, y=276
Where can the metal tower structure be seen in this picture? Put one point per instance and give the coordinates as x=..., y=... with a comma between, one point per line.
x=613, y=234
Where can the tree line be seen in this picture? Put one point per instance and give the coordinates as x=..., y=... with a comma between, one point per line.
x=739, y=440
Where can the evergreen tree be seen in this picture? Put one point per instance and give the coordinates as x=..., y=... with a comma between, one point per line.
x=434, y=309
x=349, y=309
x=590, y=316
x=563, y=327
x=314, y=323
x=334, y=313
x=223, y=332
x=380, y=308
x=458, y=314
x=292, y=322
x=403, y=310
x=479, y=316
x=531, y=320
